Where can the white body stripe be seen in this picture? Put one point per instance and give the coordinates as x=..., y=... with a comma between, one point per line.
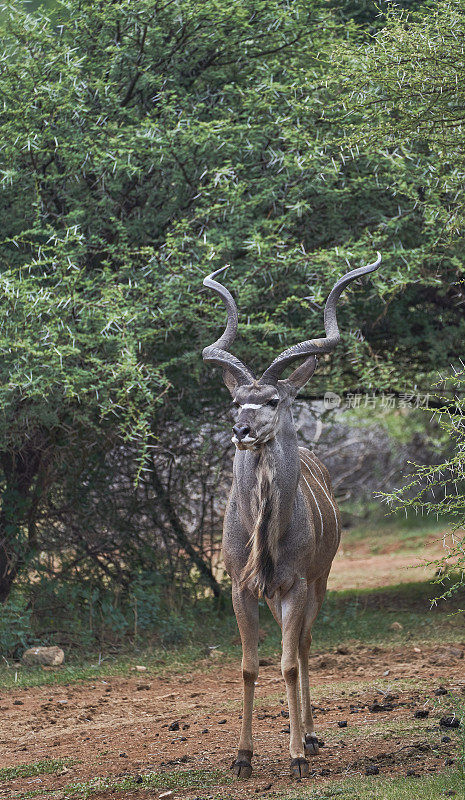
x=252, y=405
x=324, y=490
x=316, y=464
x=318, y=507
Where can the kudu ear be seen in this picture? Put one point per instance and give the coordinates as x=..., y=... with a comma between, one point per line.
x=230, y=381
x=300, y=376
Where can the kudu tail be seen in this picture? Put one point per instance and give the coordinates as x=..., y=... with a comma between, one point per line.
x=259, y=570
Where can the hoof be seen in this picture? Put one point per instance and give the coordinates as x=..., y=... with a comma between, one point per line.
x=311, y=745
x=299, y=768
x=242, y=770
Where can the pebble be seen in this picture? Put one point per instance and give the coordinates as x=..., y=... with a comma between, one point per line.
x=449, y=722
x=422, y=713
x=342, y=723
x=372, y=769
x=174, y=726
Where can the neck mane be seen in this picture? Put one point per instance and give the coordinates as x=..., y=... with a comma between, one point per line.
x=277, y=470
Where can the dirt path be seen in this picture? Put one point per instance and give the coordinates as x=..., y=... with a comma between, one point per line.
x=120, y=726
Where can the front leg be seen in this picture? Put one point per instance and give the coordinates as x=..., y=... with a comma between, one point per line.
x=246, y=610
x=293, y=610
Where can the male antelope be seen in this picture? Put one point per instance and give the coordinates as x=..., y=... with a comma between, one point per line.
x=281, y=526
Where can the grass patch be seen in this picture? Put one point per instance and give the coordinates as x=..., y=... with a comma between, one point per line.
x=378, y=788
x=403, y=534
x=346, y=617
x=47, y=766
x=186, y=779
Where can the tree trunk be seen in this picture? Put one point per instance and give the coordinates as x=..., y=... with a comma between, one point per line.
x=181, y=535
x=16, y=524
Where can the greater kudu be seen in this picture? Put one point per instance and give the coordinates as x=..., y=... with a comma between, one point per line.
x=281, y=526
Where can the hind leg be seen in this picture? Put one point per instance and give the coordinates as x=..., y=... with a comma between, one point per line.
x=316, y=593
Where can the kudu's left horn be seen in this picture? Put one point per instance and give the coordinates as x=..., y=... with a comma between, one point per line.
x=315, y=347
x=218, y=352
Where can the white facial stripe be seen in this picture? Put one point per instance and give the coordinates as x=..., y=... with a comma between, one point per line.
x=256, y=405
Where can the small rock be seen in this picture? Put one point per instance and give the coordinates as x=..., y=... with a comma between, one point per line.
x=416, y=650
x=205, y=730
x=396, y=626
x=143, y=687
x=165, y=794
x=422, y=713
x=377, y=707
x=326, y=663
x=174, y=726
x=449, y=722
x=48, y=656
x=186, y=727
x=343, y=651
x=412, y=774
x=123, y=755
x=18, y=703
x=446, y=739
x=221, y=722
x=440, y=691
x=342, y=723
x=372, y=769
x=140, y=668
x=386, y=672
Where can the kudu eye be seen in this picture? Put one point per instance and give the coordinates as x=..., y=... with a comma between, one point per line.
x=273, y=402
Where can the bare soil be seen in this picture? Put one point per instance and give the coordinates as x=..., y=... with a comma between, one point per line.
x=120, y=726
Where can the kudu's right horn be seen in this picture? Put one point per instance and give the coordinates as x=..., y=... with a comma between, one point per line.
x=327, y=343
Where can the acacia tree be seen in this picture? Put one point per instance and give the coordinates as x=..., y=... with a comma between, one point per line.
x=403, y=93
x=143, y=145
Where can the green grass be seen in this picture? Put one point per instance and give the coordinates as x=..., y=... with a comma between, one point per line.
x=47, y=766
x=380, y=788
x=406, y=534
x=162, y=781
x=347, y=617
